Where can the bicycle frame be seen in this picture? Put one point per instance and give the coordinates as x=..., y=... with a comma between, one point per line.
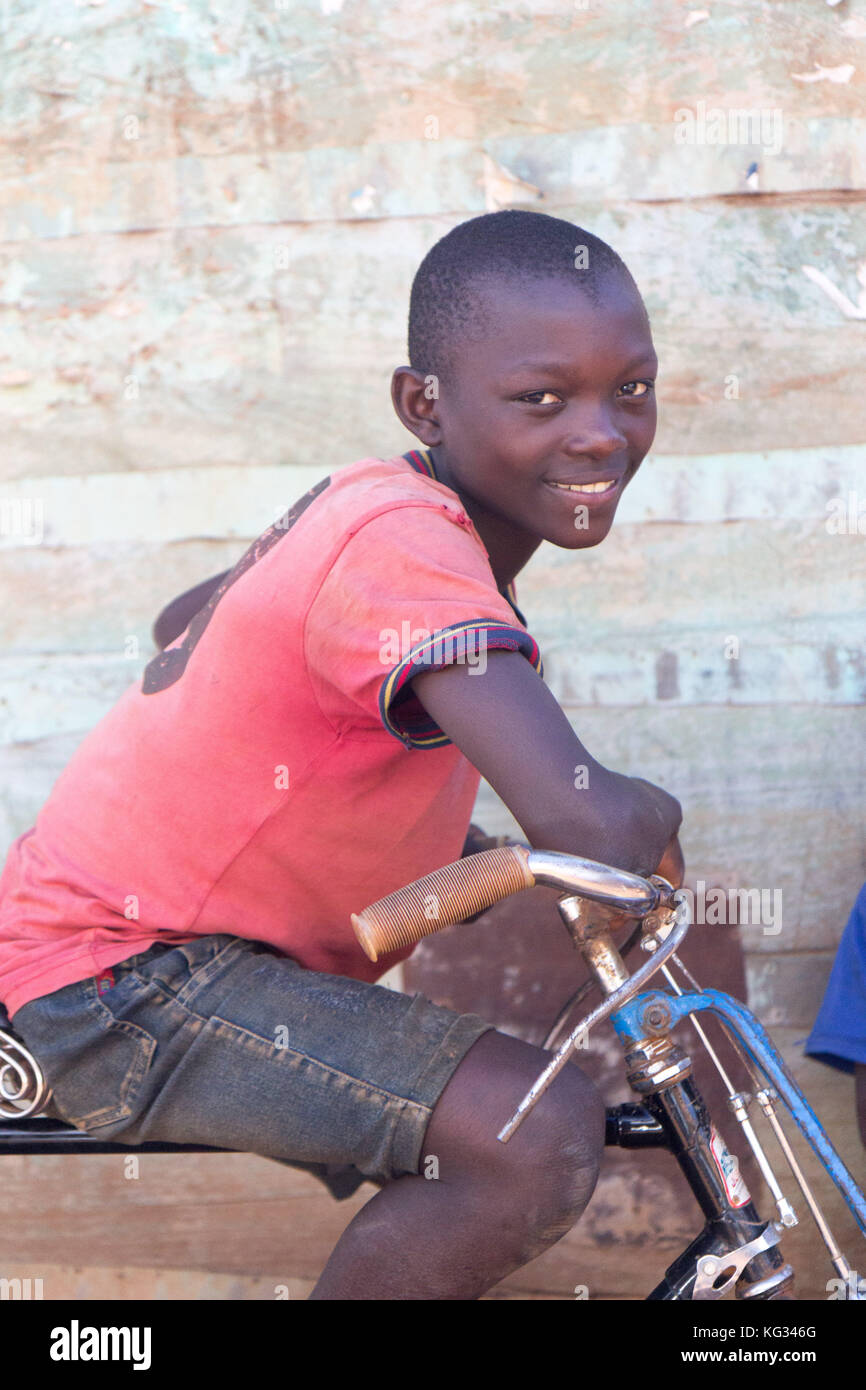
x=733, y=1240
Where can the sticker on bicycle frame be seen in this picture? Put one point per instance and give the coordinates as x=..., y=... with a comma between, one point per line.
x=729, y=1170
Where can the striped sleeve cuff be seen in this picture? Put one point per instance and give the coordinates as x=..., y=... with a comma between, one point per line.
x=464, y=643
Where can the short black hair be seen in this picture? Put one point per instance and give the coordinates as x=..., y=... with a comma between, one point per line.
x=446, y=302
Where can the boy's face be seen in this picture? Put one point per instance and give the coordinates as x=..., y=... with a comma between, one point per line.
x=555, y=399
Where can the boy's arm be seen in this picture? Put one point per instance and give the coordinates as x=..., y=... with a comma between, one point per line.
x=509, y=725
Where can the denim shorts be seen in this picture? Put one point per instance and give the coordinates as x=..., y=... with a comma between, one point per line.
x=223, y=1041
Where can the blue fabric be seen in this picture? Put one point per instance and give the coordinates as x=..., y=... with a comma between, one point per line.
x=839, y=1033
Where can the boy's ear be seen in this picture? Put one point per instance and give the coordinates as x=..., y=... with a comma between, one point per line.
x=415, y=398
x=176, y=617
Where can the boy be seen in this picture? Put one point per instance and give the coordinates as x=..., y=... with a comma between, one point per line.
x=175, y=944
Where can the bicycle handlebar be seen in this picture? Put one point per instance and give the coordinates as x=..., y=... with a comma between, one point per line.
x=469, y=886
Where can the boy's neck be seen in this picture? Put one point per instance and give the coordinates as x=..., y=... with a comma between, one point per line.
x=508, y=546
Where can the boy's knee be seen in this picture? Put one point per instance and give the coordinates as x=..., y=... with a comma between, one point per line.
x=559, y=1163
x=533, y=1188
x=538, y=1185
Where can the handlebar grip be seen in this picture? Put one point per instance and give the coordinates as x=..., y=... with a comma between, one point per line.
x=448, y=895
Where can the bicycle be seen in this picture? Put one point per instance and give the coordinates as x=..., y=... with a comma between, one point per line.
x=736, y=1250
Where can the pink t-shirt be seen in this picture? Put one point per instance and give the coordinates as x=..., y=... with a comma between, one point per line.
x=272, y=773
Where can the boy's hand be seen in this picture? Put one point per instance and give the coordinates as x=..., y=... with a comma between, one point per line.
x=477, y=841
x=672, y=865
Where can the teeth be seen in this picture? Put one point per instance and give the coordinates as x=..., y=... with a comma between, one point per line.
x=587, y=487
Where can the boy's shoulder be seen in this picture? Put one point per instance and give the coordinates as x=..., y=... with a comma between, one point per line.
x=373, y=484
x=371, y=488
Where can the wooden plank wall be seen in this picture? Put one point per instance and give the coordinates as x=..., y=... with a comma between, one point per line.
x=210, y=217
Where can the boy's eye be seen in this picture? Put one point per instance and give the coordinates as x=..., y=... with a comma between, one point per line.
x=531, y=394
x=632, y=390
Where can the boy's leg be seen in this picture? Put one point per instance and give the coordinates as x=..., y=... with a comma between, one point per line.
x=224, y=1042
x=493, y=1206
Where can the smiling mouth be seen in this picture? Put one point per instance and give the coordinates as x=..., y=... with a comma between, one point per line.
x=591, y=489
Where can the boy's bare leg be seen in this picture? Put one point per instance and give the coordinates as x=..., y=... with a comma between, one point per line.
x=493, y=1206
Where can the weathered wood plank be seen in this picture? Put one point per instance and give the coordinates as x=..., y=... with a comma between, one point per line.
x=615, y=626
x=786, y=989
x=424, y=178
x=28, y=771
x=822, y=488
x=236, y=346
x=96, y=598
x=119, y=1283
x=46, y=696
x=214, y=114
x=115, y=509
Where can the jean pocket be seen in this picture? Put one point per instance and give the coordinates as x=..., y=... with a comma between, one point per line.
x=94, y=1062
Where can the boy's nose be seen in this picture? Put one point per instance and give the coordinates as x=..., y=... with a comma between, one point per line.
x=593, y=443
x=592, y=435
